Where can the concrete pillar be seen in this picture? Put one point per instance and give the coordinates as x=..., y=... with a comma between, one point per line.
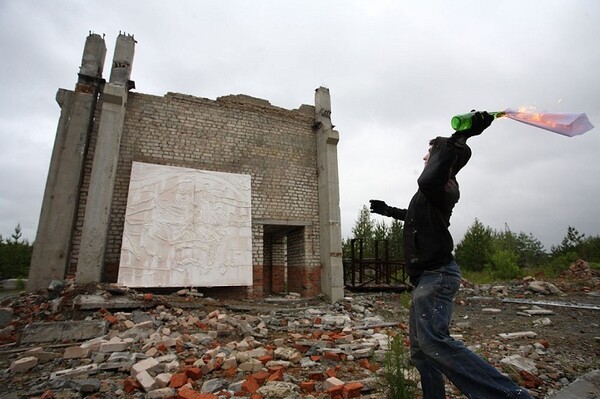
x=332, y=270
x=52, y=244
x=96, y=220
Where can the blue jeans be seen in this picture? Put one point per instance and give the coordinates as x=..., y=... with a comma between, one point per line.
x=435, y=354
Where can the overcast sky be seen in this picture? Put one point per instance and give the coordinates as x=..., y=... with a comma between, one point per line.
x=397, y=72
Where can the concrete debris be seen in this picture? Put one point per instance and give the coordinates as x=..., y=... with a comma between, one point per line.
x=520, y=363
x=536, y=310
x=542, y=322
x=585, y=387
x=521, y=334
x=491, y=310
x=112, y=342
x=63, y=331
x=574, y=305
x=6, y=315
x=543, y=287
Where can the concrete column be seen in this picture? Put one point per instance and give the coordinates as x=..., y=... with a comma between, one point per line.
x=104, y=167
x=332, y=270
x=52, y=244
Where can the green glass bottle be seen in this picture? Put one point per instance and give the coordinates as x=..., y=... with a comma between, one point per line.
x=465, y=121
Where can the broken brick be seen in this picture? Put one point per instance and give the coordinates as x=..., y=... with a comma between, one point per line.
x=308, y=386
x=189, y=393
x=317, y=376
x=130, y=385
x=260, y=377
x=530, y=381
x=335, y=391
x=193, y=372
x=276, y=375
x=301, y=348
x=364, y=363
x=250, y=385
x=265, y=359
x=331, y=356
x=352, y=390
x=178, y=380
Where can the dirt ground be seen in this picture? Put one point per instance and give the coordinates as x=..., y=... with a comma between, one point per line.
x=567, y=341
x=573, y=336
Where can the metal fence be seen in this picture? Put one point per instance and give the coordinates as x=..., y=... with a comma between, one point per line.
x=377, y=273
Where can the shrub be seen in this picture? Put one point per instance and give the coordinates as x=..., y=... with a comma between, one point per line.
x=504, y=264
x=560, y=263
x=399, y=374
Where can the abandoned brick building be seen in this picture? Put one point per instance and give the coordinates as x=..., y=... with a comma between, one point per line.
x=232, y=195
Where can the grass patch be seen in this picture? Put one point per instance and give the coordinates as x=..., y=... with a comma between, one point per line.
x=405, y=297
x=481, y=277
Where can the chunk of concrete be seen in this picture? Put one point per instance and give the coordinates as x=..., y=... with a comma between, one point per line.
x=585, y=387
x=63, y=331
x=6, y=315
x=23, y=364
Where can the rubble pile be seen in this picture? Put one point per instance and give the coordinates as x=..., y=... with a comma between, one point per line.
x=110, y=342
x=581, y=274
x=168, y=347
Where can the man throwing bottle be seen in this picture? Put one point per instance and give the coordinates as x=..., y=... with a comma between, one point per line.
x=435, y=275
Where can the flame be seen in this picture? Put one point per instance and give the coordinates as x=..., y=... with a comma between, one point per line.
x=528, y=113
x=568, y=124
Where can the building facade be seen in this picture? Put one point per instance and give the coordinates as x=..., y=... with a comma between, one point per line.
x=289, y=158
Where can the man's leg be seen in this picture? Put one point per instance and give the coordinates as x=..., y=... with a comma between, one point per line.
x=432, y=309
x=432, y=380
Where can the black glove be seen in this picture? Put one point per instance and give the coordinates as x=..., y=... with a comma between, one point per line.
x=378, y=206
x=481, y=121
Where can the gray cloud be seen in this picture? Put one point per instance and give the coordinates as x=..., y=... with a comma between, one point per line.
x=397, y=72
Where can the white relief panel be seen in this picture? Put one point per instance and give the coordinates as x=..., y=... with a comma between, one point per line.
x=186, y=228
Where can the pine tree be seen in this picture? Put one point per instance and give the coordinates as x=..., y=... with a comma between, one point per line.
x=475, y=250
x=15, y=256
x=364, y=229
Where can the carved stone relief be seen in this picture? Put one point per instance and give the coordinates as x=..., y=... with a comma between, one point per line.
x=186, y=228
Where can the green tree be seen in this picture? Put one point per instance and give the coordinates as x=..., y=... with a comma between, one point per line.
x=590, y=249
x=475, y=249
x=574, y=246
x=15, y=256
x=364, y=228
x=370, y=232
x=395, y=236
x=364, y=225
x=530, y=251
x=570, y=243
x=380, y=235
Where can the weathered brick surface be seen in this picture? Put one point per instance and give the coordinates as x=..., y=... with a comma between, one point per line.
x=233, y=134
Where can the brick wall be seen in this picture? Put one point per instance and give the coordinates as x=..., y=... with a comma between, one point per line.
x=233, y=134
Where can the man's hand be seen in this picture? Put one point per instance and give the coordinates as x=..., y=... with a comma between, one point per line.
x=378, y=206
x=481, y=121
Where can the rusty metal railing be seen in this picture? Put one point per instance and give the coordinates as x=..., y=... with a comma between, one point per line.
x=377, y=273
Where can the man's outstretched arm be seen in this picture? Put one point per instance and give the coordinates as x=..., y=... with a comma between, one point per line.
x=381, y=208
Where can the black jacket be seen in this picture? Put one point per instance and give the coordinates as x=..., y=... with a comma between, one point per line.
x=428, y=244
